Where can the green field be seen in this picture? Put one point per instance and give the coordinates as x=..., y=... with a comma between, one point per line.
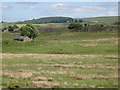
x=61, y=59
x=63, y=42
x=103, y=20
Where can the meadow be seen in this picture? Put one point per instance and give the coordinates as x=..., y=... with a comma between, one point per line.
x=63, y=42
x=103, y=20
x=61, y=59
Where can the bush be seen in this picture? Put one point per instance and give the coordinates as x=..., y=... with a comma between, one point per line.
x=117, y=23
x=75, y=27
x=15, y=26
x=10, y=28
x=93, y=28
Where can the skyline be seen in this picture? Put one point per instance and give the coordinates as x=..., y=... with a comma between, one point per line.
x=21, y=11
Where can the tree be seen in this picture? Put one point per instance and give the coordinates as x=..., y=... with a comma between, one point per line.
x=80, y=21
x=117, y=23
x=15, y=26
x=2, y=22
x=75, y=27
x=29, y=30
x=10, y=28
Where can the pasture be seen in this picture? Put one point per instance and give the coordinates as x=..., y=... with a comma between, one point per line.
x=103, y=20
x=61, y=59
x=63, y=42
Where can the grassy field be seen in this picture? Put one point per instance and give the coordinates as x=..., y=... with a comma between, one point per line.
x=58, y=70
x=63, y=42
x=103, y=20
x=61, y=59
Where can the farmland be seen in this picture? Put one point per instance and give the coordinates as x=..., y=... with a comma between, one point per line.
x=59, y=71
x=61, y=59
x=103, y=20
x=59, y=45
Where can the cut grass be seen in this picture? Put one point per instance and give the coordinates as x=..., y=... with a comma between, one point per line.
x=61, y=60
x=37, y=71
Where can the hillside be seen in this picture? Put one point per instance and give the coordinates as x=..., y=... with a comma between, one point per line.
x=103, y=20
x=48, y=20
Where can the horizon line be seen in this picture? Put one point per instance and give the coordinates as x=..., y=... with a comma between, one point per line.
x=62, y=16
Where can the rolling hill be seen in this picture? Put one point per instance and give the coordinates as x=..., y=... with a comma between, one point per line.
x=103, y=20
x=100, y=20
x=48, y=20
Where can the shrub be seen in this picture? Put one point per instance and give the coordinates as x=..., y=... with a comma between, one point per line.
x=15, y=26
x=75, y=27
x=10, y=28
x=93, y=28
x=117, y=23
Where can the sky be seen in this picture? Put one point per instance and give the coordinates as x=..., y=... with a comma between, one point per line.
x=20, y=11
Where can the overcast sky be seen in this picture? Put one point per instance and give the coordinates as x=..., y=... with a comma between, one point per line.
x=20, y=11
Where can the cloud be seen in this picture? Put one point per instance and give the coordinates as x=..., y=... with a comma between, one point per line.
x=59, y=5
x=27, y=3
x=82, y=11
x=112, y=13
x=5, y=6
x=32, y=7
x=75, y=10
x=89, y=9
x=97, y=10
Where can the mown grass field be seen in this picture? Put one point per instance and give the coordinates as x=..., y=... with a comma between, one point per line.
x=59, y=71
x=61, y=59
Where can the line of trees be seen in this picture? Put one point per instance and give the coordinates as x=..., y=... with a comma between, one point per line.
x=10, y=28
x=77, y=27
x=51, y=20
